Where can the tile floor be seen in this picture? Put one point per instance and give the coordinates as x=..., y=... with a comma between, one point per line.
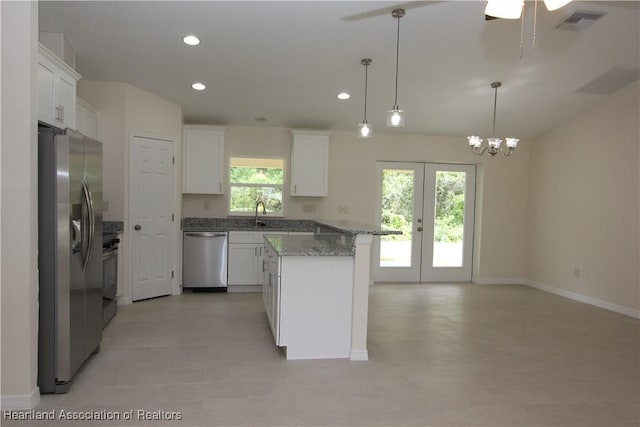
x=440, y=355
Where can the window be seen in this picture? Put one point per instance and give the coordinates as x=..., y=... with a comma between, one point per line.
x=253, y=180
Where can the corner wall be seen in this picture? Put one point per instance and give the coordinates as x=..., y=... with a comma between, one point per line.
x=123, y=109
x=583, y=206
x=19, y=215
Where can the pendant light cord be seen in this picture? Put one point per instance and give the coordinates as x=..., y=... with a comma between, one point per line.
x=366, y=75
x=395, y=104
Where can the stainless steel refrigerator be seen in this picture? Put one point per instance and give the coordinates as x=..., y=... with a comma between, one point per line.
x=70, y=254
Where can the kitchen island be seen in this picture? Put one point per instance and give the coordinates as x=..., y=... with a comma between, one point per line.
x=353, y=240
x=308, y=294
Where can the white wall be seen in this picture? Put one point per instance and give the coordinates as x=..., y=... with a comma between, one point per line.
x=352, y=182
x=584, y=208
x=19, y=275
x=109, y=100
x=124, y=109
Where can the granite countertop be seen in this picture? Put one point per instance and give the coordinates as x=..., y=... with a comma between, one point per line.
x=356, y=227
x=246, y=224
x=271, y=225
x=311, y=244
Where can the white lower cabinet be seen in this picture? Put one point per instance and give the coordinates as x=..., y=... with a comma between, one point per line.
x=246, y=249
x=308, y=301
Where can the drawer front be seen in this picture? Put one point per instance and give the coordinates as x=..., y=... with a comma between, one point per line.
x=245, y=237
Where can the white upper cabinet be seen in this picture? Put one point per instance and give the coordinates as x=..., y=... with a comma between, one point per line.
x=56, y=91
x=203, y=159
x=86, y=119
x=310, y=164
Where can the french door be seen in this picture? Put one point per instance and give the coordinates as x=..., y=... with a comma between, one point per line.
x=433, y=205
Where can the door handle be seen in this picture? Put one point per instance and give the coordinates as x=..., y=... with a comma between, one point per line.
x=137, y=227
x=419, y=229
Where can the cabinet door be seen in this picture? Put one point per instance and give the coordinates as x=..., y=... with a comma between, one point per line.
x=66, y=100
x=203, y=160
x=86, y=119
x=47, y=111
x=310, y=165
x=56, y=90
x=275, y=301
x=243, y=264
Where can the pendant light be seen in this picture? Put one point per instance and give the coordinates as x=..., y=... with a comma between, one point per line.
x=493, y=143
x=364, y=130
x=396, y=116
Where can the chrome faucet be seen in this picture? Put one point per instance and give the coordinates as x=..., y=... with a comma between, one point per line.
x=264, y=210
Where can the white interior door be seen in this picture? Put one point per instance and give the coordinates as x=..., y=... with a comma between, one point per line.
x=151, y=217
x=433, y=205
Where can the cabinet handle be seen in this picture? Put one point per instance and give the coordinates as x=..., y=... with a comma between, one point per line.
x=221, y=187
x=57, y=117
x=255, y=251
x=295, y=188
x=62, y=113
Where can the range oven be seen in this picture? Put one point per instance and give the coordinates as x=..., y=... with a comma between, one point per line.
x=109, y=276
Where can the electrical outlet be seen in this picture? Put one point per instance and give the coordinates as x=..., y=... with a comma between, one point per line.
x=343, y=209
x=576, y=272
x=105, y=206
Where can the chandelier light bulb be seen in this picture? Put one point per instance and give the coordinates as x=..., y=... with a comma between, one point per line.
x=512, y=142
x=474, y=141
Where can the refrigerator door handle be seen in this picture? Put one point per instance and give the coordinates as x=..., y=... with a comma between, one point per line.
x=88, y=199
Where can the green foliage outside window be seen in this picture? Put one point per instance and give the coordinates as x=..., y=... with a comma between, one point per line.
x=253, y=180
x=397, y=204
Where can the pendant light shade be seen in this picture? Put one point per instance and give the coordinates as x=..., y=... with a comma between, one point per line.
x=395, y=117
x=364, y=129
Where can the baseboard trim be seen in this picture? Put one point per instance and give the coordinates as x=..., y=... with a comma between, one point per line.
x=21, y=401
x=359, y=355
x=519, y=281
x=584, y=299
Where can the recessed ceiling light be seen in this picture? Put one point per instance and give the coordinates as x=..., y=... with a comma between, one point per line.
x=343, y=95
x=198, y=86
x=191, y=40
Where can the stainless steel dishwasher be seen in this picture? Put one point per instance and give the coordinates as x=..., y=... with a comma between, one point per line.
x=204, y=260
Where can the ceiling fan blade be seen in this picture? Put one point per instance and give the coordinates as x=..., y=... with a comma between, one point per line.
x=387, y=10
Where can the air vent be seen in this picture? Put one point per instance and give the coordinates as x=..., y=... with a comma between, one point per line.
x=611, y=81
x=580, y=20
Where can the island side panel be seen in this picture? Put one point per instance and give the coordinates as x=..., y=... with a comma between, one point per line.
x=361, y=282
x=316, y=306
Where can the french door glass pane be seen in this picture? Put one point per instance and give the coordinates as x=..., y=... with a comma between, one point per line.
x=448, y=226
x=397, y=214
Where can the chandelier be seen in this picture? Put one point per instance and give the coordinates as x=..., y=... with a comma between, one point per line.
x=493, y=146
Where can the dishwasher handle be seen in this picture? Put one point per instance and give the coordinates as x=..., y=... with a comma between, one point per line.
x=205, y=234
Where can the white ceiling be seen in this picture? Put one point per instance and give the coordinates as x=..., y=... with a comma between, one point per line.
x=286, y=61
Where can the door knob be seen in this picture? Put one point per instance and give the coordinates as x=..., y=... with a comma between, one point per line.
x=419, y=228
x=137, y=227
